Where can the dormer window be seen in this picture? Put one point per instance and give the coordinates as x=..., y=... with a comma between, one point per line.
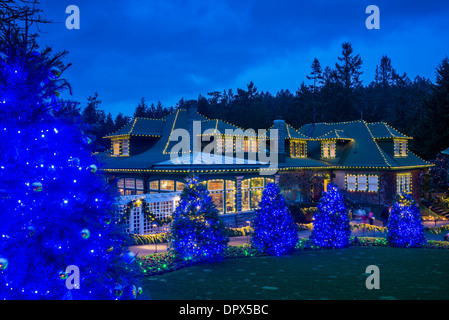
x=328, y=149
x=400, y=148
x=125, y=147
x=120, y=147
x=116, y=147
x=298, y=149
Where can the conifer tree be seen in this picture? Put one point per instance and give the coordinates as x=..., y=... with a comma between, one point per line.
x=198, y=233
x=404, y=228
x=57, y=211
x=331, y=227
x=274, y=228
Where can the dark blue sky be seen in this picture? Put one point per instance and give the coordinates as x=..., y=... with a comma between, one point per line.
x=164, y=50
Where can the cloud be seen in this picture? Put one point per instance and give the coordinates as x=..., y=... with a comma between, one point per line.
x=165, y=50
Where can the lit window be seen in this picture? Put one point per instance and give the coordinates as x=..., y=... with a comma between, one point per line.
x=139, y=184
x=125, y=147
x=229, y=144
x=130, y=183
x=245, y=145
x=253, y=145
x=332, y=149
x=154, y=185
x=116, y=147
x=167, y=185
x=328, y=149
x=298, y=149
x=404, y=148
x=404, y=183
x=180, y=186
x=400, y=148
x=215, y=185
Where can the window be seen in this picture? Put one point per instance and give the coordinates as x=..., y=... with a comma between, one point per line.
x=404, y=183
x=229, y=144
x=245, y=145
x=332, y=149
x=167, y=185
x=362, y=182
x=298, y=149
x=129, y=186
x=253, y=145
x=116, y=147
x=351, y=183
x=222, y=193
x=154, y=185
x=252, y=192
x=373, y=182
x=400, y=148
x=125, y=147
x=180, y=186
x=328, y=149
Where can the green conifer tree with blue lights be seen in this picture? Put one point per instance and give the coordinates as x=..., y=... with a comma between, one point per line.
x=331, y=227
x=57, y=213
x=275, y=232
x=404, y=228
x=198, y=233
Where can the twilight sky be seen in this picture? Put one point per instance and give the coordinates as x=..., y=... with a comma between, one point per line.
x=168, y=49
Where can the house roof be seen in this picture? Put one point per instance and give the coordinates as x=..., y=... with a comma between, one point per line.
x=382, y=130
x=360, y=148
x=290, y=133
x=141, y=127
x=359, y=145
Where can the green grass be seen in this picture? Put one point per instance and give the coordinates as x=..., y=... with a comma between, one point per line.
x=315, y=274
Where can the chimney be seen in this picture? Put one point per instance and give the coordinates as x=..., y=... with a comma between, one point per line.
x=280, y=126
x=192, y=115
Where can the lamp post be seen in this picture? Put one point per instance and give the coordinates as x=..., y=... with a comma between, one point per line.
x=154, y=225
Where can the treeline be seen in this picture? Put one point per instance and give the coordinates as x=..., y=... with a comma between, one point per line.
x=416, y=107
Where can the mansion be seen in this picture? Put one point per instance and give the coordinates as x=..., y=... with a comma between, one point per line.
x=370, y=162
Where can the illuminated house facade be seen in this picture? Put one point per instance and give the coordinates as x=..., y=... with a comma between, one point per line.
x=370, y=162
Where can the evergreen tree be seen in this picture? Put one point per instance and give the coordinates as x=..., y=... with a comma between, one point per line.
x=274, y=229
x=316, y=75
x=142, y=110
x=198, y=233
x=120, y=121
x=331, y=227
x=348, y=71
x=432, y=130
x=56, y=209
x=404, y=228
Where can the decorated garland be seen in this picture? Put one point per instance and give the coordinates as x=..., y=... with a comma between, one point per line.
x=150, y=216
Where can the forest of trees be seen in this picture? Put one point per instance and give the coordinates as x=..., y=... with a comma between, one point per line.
x=416, y=107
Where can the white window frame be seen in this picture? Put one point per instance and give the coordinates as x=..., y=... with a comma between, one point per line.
x=351, y=182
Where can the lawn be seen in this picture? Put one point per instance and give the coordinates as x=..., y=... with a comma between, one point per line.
x=315, y=274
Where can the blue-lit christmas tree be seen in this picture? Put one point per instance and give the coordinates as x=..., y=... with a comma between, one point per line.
x=404, y=228
x=198, y=233
x=56, y=211
x=331, y=227
x=275, y=232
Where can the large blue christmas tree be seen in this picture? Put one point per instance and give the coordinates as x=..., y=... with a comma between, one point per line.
x=404, y=228
x=331, y=227
x=56, y=211
x=275, y=232
x=198, y=233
